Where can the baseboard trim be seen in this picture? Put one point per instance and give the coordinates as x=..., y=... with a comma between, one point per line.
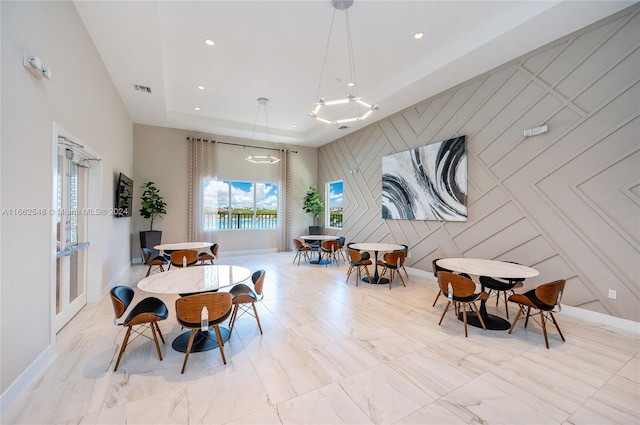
x=26, y=379
x=604, y=319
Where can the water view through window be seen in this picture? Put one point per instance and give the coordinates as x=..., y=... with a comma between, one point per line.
x=240, y=205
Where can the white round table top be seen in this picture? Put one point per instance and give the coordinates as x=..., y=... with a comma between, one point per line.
x=318, y=237
x=376, y=246
x=182, y=245
x=194, y=279
x=491, y=268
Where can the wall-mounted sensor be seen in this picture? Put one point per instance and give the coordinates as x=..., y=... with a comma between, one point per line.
x=535, y=131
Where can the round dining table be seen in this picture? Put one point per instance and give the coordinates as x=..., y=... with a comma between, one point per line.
x=376, y=247
x=492, y=268
x=192, y=280
x=319, y=238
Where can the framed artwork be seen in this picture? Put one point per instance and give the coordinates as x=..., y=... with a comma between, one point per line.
x=426, y=183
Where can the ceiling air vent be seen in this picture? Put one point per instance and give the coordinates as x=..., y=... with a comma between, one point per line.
x=141, y=88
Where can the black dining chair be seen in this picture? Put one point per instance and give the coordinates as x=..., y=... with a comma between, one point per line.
x=144, y=315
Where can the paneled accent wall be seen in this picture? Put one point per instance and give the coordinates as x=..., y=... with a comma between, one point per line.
x=566, y=202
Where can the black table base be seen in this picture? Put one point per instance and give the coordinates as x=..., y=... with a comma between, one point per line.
x=202, y=341
x=376, y=280
x=492, y=322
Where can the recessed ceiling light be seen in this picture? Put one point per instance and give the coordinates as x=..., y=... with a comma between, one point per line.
x=350, y=84
x=209, y=42
x=196, y=108
x=201, y=87
x=418, y=35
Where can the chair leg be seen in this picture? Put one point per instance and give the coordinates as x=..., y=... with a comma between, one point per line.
x=544, y=329
x=557, y=327
x=401, y=278
x=232, y=321
x=220, y=343
x=257, y=317
x=124, y=345
x=159, y=333
x=446, y=308
x=506, y=304
x=148, y=271
x=464, y=318
x=189, y=344
x=366, y=270
x=436, y=300
x=155, y=339
x=475, y=307
x=513, y=325
x=349, y=273
x=526, y=322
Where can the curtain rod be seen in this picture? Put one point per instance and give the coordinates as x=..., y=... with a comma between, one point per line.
x=244, y=146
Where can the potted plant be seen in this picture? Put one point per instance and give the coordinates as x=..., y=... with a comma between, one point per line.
x=153, y=206
x=313, y=206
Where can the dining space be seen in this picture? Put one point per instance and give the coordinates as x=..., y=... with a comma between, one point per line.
x=208, y=294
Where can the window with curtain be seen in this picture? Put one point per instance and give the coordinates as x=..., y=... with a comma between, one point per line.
x=236, y=205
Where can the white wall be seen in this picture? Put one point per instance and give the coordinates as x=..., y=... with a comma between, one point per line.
x=161, y=155
x=82, y=99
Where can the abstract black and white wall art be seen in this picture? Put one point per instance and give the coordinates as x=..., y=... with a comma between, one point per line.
x=426, y=183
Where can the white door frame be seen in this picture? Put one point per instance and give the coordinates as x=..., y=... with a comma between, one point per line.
x=93, y=281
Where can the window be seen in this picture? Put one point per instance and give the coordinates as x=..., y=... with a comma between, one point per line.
x=240, y=205
x=333, y=211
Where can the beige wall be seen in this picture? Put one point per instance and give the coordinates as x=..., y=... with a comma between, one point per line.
x=81, y=98
x=161, y=155
x=565, y=202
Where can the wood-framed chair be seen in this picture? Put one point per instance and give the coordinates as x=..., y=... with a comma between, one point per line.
x=302, y=250
x=244, y=299
x=329, y=249
x=188, y=313
x=158, y=261
x=463, y=293
x=392, y=262
x=183, y=257
x=545, y=298
x=210, y=256
x=406, y=255
x=357, y=262
x=436, y=268
x=144, y=315
x=341, y=242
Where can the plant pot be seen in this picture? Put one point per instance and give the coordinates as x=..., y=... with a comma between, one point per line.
x=149, y=239
x=314, y=230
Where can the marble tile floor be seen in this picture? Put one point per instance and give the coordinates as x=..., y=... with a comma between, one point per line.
x=334, y=353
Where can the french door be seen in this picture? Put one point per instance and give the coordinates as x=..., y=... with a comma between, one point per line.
x=71, y=240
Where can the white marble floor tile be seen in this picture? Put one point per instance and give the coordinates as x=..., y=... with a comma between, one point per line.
x=432, y=414
x=226, y=397
x=384, y=395
x=334, y=353
x=327, y=405
x=481, y=403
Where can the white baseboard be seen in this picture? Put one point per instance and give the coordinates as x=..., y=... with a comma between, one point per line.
x=28, y=377
x=605, y=319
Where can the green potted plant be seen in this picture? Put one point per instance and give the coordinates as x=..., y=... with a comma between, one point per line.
x=153, y=206
x=313, y=206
